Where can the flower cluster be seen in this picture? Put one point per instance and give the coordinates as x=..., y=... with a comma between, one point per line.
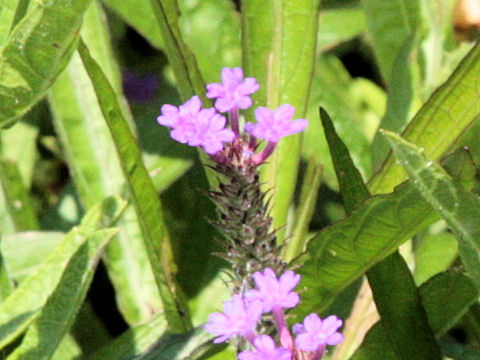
x=207, y=128
x=242, y=313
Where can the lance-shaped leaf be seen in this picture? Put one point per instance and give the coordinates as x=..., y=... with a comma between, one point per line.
x=440, y=122
x=36, y=51
x=24, y=304
x=390, y=279
x=459, y=208
x=442, y=309
x=144, y=197
x=96, y=169
x=279, y=49
x=58, y=314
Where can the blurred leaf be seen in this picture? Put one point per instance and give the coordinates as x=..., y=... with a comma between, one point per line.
x=211, y=29
x=17, y=199
x=11, y=11
x=390, y=24
x=332, y=89
x=184, y=64
x=139, y=15
x=24, y=252
x=6, y=283
x=404, y=320
x=459, y=208
x=134, y=341
x=67, y=350
x=24, y=304
x=35, y=53
x=56, y=317
x=401, y=93
x=278, y=47
x=339, y=25
x=308, y=198
x=439, y=123
x=442, y=309
x=435, y=254
x=460, y=352
x=19, y=144
x=144, y=197
x=97, y=172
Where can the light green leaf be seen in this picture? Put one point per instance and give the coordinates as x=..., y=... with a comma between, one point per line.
x=10, y=13
x=440, y=122
x=390, y=24
x=459, y=208
x=56, y=317
x=35, y=53
x=278, y=49
x=67, y=350
x=24, y=252
x=97, y=172
x=24, y=304
x=144, y=197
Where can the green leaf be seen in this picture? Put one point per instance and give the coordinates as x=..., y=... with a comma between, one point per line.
x=404, y=320
x=134, y=341
x=440, y=122
x=459, y=208
x=56, y=317
x=390, y=24
x=279, y=47
x=10, y=13
x=97, y=172
x=139, y=15
x=24, y=304
x=24, y=252
x=144, y=196
x=6, y=283
x=390, y=279
x=442, y=309
x=435, y=254
x=18, y=202
x=35, y=53
x=342, y=252
x=339, y=25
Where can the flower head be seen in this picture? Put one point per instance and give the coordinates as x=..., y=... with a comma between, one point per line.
x=273, y=292
x=315, y=332
x=273, y=125
x=195, y=126
x=266, y=350
x=238, y=318
x=234, y=91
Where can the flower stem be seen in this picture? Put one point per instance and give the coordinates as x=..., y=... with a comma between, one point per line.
x=234, y=115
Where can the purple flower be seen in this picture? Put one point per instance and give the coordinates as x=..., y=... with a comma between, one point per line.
x=238, y=318
x=266, y=350
x=234, y=92
x=316, y=332
x=272, y=292
x=195, y=126
x=210, y=132
x=273, y=125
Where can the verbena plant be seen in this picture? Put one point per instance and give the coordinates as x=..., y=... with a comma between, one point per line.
x=284, y=210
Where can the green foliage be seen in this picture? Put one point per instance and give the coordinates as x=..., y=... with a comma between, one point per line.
x=89, y=178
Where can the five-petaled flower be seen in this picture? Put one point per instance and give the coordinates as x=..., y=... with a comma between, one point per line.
x=273, y=292
x=315, y=332
x=238, y=318
x=266, y=350
x=273, y=125
x=234, y=91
